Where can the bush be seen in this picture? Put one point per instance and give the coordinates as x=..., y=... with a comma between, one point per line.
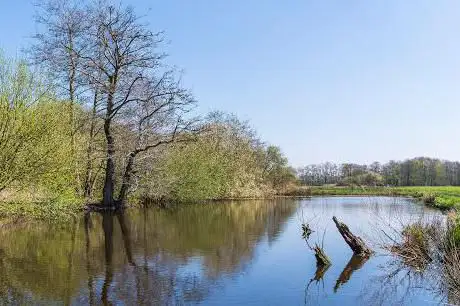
x=298, y=191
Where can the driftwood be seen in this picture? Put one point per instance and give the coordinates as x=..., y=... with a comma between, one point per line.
x=321, y=257
x=354, y=242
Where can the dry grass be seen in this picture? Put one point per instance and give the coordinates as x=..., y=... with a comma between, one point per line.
x=414, y=245
x=433, y=245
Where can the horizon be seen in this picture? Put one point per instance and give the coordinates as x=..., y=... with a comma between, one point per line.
x=323, y=81
x=385, y=162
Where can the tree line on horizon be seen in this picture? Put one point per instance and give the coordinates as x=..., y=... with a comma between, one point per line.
x=419, y=171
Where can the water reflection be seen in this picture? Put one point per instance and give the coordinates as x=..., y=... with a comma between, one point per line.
x=403, y=284
x=318, y=277
x=137, y=256
x=355, y=263
x=226, y=253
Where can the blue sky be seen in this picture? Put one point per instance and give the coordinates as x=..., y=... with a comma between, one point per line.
x=325, y=80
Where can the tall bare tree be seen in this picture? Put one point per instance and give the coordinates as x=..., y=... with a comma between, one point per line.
x=105, y=51
x=139, y=91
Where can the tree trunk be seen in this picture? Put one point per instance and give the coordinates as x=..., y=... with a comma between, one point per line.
x=88, y=192
x=354, y=242
x=72, y=76
x=108, y=200
x=123, y=196
x=109, y=182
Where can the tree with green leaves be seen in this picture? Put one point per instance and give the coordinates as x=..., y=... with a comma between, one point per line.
x=32, y=130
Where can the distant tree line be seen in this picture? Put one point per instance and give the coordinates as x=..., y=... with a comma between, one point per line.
x=420, y=171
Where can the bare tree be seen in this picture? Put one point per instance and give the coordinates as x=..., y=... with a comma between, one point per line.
x=139, y=92
x=103, y=54
x=62, y=26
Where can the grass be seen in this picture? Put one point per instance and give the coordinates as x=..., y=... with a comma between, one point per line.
x=414, y=244
x=442, y=197
x=53, y=211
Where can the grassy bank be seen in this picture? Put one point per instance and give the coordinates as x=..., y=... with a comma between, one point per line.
x=51, y=211
x=443, y=197
x=30, y=205
x=61, y=210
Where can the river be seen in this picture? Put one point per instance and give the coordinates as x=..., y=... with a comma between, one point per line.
x=225, y=253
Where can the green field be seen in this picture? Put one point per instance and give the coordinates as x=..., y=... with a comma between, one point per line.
x=443, y=197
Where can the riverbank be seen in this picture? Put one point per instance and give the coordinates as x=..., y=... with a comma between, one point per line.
x=63, y=210
x=53, y=211
x=442, y=197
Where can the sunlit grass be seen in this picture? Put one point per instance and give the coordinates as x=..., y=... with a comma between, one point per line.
x=50, y=211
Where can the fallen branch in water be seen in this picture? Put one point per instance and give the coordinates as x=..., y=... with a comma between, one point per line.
x=354, y=242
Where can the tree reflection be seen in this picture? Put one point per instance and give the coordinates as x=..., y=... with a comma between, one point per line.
x=126, y=237
x=144, y=256
x=87, y=226
x=107, y=227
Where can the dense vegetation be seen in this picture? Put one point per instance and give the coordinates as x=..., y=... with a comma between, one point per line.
x=104, y=118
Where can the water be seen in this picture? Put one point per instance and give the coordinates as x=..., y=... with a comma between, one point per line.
x=231, y=253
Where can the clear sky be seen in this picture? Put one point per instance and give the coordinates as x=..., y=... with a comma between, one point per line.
x=325, y=80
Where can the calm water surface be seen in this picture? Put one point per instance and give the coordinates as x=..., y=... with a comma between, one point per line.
x=232, y=253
